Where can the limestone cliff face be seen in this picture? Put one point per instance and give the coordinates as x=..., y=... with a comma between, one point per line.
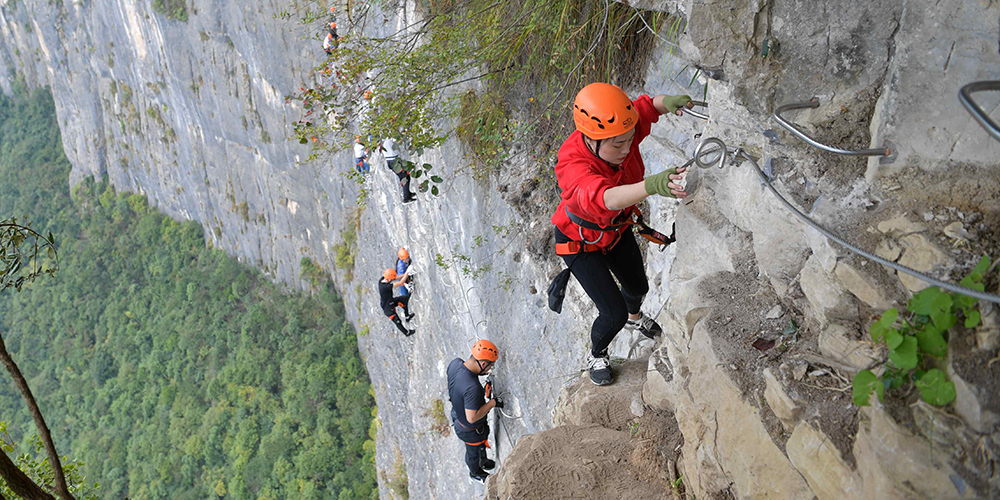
x=193, y=114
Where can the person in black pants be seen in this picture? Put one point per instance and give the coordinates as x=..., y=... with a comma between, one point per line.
x=602, y=176
x=469, y=406
x=593, y=270
x=390, y=303
x=398, y=167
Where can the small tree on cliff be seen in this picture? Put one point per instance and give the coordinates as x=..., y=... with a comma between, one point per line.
x=25, y=255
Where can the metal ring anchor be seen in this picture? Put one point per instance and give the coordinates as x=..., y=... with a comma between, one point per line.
x=721, y=146
x=814, y=103
x=977, y=111
x=696, y=114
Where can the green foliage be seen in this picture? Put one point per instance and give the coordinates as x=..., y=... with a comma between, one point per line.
x=313, y=272
x=169, y=369
x=348, y=247
x=921, y=339
x=397, y=481
x=439, y=421
x=424, y=170
x=469, y=268
x=174, y=9
x=21, y=254
x=483, y=127
x=530, y=55
x=34, y=462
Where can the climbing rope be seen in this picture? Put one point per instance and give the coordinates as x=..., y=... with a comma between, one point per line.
x=977, y=112
x=739, y=156
x=884, y=151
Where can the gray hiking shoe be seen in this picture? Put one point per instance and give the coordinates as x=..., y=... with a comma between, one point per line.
x=645, y=325
x=600, y=370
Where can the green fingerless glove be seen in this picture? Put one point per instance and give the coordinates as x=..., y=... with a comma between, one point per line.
x=658, y=184
x=675, y=102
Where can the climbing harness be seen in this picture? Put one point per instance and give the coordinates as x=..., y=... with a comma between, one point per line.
x=885, y=151
x=632, y=217
x=697, y=114
x=977, y=111
x=739, y=156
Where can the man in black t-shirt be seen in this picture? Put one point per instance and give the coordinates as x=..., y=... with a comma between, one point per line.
x=389, y=303
x=469, y=406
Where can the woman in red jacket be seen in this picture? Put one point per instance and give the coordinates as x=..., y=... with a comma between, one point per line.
x=601, y=174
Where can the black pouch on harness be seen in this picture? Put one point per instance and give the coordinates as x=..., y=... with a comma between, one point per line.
x=557, y=290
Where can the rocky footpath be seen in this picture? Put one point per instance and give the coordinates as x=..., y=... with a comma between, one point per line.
x=193, y=114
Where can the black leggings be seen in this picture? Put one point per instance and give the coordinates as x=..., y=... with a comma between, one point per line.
x=390, y=311
x=593, y=270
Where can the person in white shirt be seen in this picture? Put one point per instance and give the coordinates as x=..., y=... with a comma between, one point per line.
x=360, y=156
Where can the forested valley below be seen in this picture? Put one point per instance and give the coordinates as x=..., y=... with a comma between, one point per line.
x=168, y=368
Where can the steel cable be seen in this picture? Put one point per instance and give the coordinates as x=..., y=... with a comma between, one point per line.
x=739, y=155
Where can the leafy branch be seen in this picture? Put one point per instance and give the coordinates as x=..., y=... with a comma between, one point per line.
x=918, y=341
x=20, y=247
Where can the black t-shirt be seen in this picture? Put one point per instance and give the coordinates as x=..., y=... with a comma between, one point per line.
x=385, y=293
x=465, y=393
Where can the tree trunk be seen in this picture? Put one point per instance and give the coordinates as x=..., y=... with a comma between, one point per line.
x=19, y=482
x=43, y=430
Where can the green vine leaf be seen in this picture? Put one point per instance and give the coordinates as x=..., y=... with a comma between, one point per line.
x=904, y=357
x=944, y=320
x=972, y=319
x=892, y=339
x=877, y=331
x=930, y=340
x=864, y=383
x=929, y=301
x=982, y=266
x=889, y=317
x=935, y=388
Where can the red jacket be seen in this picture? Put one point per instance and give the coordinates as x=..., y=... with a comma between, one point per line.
x=583, y=178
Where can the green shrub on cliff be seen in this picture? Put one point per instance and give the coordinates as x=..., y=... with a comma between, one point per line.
x=173, y=9
x=918, y=342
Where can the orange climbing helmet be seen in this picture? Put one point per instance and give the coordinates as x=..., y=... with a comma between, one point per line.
x=602, y=110
x=403, y=254
x=484, y=350
x=389, y=274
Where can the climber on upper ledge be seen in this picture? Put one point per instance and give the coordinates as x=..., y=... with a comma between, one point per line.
x=390, y=281
x=600, y=171
x=360, y=156
x=469, y=406
x=403, y=262
x=331, y=39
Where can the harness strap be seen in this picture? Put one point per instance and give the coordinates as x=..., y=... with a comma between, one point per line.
x=575, y=247
x=633, y=218
x=586, y=224
x=485, y=441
